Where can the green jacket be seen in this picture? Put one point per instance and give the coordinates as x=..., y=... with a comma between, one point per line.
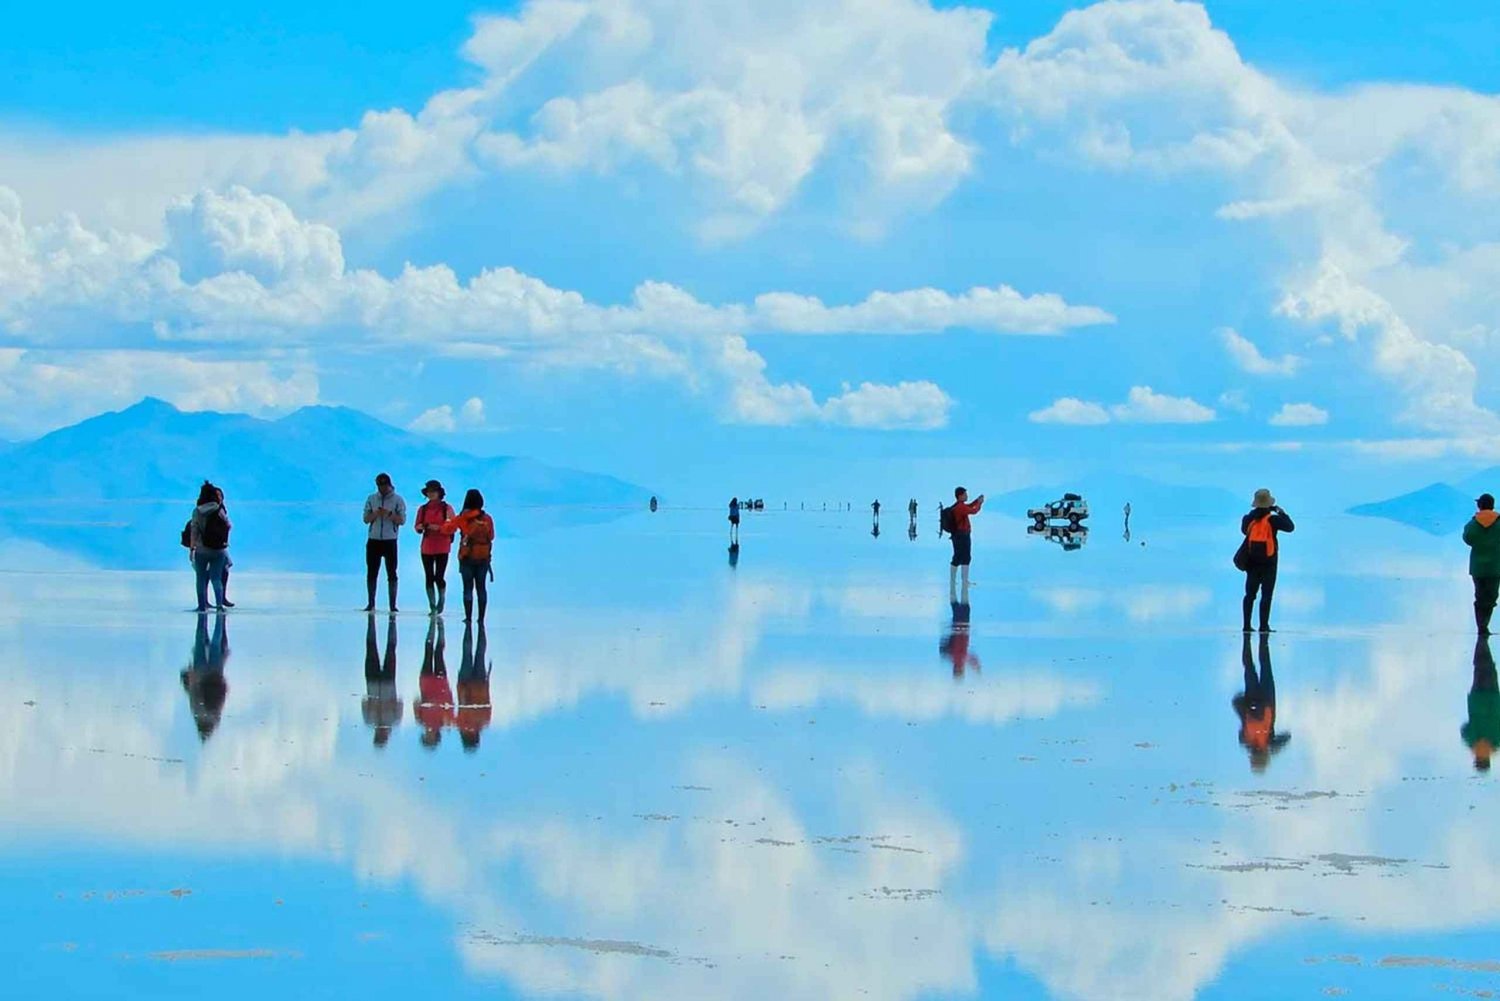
x=1482, y=534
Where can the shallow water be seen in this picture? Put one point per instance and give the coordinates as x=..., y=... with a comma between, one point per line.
x=768, y=780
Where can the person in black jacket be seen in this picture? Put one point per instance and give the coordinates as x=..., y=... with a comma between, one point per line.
x=1262, y=554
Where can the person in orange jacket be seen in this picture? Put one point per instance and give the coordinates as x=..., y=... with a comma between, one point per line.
x=474, y=551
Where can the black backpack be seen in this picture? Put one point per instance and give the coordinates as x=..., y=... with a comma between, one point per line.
x=187, y=534
x=946, y=521
x=215, y=531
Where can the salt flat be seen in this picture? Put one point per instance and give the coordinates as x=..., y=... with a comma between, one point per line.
x=762, y=781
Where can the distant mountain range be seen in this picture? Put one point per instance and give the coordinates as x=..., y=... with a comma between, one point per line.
x=1439, y=508
x=115, y=488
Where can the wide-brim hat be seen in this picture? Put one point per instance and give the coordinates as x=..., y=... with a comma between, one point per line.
x=434, y=485
x=1264, y=499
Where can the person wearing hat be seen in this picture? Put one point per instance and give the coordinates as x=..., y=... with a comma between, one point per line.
x=1262, y=554
x=385, y=513
x=431, y=518
x=1483, y=540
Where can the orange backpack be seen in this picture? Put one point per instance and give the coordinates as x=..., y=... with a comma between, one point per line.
x=479, y=538
x=1262, y=539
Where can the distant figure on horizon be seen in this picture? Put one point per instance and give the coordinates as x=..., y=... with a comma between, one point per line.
x=1482, y=731
x=1483, y=540
x=954, y=646
x=385, y=513
x=433, y=709
x=911, y=509
x=653, y=504
x=474, y=707
x=1256, y=707
x=203, y=681
x=1127, y=521
x=437, y=542
x=475, y=552
x=208, y=545
x=734, y=521
x=381, y=707
x=956, y=523
x=875, y=509
x=1261, y=554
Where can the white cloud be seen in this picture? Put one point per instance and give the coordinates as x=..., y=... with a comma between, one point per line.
x=1249, y=359
x=47, y=388
x=1299, y=415
x=471, y=413
x=1069, y=410
x=1143, y=405
x=241, y=268
x=435, y=421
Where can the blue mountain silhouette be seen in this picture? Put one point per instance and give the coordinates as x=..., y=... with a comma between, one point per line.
x=1438, y=509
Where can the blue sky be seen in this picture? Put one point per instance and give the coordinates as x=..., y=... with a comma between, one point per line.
x=1146, y=228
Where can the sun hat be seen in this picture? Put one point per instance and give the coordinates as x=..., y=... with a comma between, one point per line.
x=1263, y=498
x=434, y=485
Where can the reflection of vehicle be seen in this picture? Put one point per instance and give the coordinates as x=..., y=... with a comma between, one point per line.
x=1070, y=538
x=1072, y=509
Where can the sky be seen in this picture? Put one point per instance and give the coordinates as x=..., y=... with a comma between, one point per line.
x=681, y=242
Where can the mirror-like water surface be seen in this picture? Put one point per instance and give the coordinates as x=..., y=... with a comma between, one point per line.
x=807, y=775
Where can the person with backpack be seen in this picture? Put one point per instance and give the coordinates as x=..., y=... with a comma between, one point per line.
x=1483, y=540
x=207, y=534
x=1260, y=554
x=474, y=551
x=436, y=544
x=385, y=513
x=954, y=519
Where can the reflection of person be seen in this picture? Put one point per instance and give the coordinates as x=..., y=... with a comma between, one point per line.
x=734, y=554
x=474, y=709
x=954, y=646
x=474, y=551
x=911, y=529
x=1482, y=731
x=1483, y=540
x=962, y=540
x=1127, y=521
x=430, y=522
x=1262, y=554
x=1256, y=707
x=434, y=707
x=204, y=679
x=382, y=704
x=385, y=513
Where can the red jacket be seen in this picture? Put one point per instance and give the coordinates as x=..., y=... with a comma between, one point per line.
x=961, y=511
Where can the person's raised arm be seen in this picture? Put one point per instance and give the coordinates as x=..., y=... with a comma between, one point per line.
x=1282, y=522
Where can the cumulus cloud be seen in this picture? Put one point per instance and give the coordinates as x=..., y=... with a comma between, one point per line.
x=240, y=268
x=1249, y=359
x=1143, y=405
x=1069, y=410
x=1299, y=415
x=443, y=419
x=54, y=388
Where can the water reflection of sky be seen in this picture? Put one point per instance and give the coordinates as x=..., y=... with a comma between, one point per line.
x=760, y=781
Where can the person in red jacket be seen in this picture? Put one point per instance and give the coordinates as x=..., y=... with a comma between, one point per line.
x=962, y=510
x=431, y=522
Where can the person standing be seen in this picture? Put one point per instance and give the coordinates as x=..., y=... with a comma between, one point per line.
x=385, y=513
x=1262, y=554
x=1483, y=540
x=228, y=559
x=208, y=532
x=436, y=543
x=474, y=551
x=734, y=521
x=961, y=532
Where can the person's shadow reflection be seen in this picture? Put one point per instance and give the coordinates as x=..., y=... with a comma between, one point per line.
x=382, y=705
x=434, y=708
x=1482, y=731
x=1256, y=707
x=204, y=680
x=474, y=707
x=734, y=554
x=954, y=646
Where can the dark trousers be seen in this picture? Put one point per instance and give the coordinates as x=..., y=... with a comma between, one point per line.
x=1486, y=589
x=375, y=551
x=963, y=550
x=475, y=574
x=1261, y=578
x=435, y=566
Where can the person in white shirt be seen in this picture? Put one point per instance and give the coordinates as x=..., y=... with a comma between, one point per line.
x=385, y=513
